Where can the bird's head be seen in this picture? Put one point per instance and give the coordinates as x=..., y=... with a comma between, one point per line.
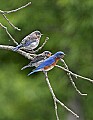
x=47, y=53
x=38, y=34
x=59, y=54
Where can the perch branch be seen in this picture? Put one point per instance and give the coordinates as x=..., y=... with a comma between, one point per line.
x=71, y=79
x=56, y=100
x=5, y=28
x=23, y=53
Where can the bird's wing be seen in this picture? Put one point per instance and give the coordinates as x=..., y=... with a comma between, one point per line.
x=46, y=62
x=27, y=42
x=37, y=59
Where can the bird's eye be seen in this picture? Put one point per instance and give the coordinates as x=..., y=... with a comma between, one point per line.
x=47, y=53
x=38, y=33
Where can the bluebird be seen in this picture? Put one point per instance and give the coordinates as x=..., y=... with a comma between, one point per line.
x=38, y=59
x=49, y=63
x=30, y=42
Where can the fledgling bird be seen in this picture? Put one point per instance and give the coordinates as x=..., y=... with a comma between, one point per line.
x=30, y=42
x=49, y=63
x=38, y=59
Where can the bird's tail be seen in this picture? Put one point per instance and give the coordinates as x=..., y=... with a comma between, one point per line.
x=25, y=67
x=33, y=72
x=17, y=47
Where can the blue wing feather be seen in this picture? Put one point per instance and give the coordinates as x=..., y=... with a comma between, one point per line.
x=28, y=42
x=46, y=62
x=17, y=47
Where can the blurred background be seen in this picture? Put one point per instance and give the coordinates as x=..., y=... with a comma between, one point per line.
x=69, y=25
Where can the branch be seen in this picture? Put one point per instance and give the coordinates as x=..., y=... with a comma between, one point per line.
x=56, y=100
x=8, y=12
x=71, y=79
x=11, y=11
x=16, y=28
x=23, y=53
x=5, y=28
x=74, y=74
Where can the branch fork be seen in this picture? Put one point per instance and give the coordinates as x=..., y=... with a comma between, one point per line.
x=56, y=100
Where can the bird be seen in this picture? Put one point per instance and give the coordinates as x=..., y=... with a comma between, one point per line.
x=30, y=42
x=49, y=63
x=38, y=59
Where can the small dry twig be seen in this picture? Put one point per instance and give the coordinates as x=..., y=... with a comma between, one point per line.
x=41, y=45
x=71, y=79
x=11, y=11
x=5, y=28
x=56, y=100
x=74, y=74
x=16, y=28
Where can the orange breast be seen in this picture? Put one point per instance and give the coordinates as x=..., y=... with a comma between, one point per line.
x=57, y=59
x=51, y=66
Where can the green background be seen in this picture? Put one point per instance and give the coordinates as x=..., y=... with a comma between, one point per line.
x=69, y=25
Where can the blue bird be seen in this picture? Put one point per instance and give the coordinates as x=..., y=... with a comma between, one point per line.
x=49, y=63
x=30, y=42
x=38, y=59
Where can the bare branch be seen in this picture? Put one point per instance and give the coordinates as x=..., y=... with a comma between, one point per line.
x=74, y=74
x=11, y=11
x=70, y=77
x=5, y=28
x=56, y=100
x=23, y=53
x=8, y=12
x=10, y=23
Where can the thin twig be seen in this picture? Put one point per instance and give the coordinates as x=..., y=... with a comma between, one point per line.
x=5, y=28
x=41, y=45
x=11, y=11
x=23, y=53
x=71, y=79
x=8, y=12
x=56, y=100
x=74, y=74
x=11, y=23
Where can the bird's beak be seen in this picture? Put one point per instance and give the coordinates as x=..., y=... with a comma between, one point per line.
x=62, y=56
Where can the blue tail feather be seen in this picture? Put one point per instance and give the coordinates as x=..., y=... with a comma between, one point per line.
x=25, y=67
x=31, y=73
x=17, y=47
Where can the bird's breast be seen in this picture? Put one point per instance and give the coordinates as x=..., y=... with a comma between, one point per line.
x=34, y=44
x=47, y=68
